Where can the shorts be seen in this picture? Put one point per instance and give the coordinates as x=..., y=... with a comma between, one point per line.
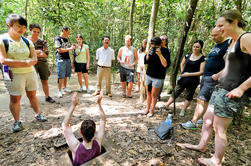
x=207, y=85
x=22, y=83
x=63, y=68
x=80, y=67
x=225, y=107
x=189, y=92
x=156, y=83
x=126, y=75
x=43, y=70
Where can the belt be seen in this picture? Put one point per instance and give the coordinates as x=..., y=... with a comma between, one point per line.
x=103, y=66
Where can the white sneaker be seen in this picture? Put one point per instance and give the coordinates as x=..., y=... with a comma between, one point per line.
x=80, y=89
x=182, y=112
x=60, y=95
x=67, y=90
x=88, y=90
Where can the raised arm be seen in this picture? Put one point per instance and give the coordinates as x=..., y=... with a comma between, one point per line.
x=162, y=59
x=68, y=134
x=101, y=131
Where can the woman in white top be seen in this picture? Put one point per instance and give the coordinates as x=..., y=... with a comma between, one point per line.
x=81, y=62
x=140, y=66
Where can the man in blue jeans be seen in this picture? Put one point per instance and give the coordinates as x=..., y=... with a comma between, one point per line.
x=63, y=60
x=214, y=64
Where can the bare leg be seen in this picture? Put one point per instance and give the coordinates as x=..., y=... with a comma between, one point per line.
x=86, y=79
x=65, y=82
x=124, y=87
x=60, y=83
x=186, y=105
x=154, y=93
x=33, y=100
x=130, y=84
x=201, y=107
x=208, y=120
x=169, y=102
x=80, y=79
x=149, y=100
x=45, y=87
x=15, y=106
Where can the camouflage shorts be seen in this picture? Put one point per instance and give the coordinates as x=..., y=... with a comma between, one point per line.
x=225, y=107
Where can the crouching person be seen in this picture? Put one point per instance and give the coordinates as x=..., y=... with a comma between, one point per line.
x=92, y=140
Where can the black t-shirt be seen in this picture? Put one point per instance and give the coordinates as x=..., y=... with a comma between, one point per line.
x=215, y=62
x=155, y=69
x=61, y=43
x=192, y=67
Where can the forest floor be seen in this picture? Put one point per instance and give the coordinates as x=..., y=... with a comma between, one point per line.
x=126, y=129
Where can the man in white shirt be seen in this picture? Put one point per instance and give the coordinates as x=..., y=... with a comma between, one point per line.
x=104, y=57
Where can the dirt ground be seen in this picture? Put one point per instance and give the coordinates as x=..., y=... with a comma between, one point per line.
x=126, y=129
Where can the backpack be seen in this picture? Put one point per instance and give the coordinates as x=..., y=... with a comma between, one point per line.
x=6, y=43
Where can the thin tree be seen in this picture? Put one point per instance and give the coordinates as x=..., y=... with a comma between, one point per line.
x=179, y=54
x=151, y=30
x=131, y=17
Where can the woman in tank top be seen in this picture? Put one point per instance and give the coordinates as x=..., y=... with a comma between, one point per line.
x=234, y=81
x=92, y=139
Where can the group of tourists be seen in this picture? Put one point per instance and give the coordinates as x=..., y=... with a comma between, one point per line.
x=224, y=87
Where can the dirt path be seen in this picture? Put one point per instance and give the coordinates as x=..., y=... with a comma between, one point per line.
x=126, y=128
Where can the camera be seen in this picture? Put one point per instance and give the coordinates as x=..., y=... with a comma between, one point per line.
x=153, y=50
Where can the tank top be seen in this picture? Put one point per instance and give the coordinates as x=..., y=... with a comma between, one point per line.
x=237, y=68
x=83, y=155
x=127, y=57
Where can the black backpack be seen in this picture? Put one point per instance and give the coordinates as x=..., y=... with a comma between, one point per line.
x=6, y=43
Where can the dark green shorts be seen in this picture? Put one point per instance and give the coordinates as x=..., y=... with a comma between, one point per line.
x=225, y=107
x=43, y=70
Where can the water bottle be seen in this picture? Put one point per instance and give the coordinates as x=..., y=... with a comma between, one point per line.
x=6, y=72
x=169, y=120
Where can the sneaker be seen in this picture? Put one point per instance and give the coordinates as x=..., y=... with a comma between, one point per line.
x=40, y=117
x=17, y=126
x=88, y=90
x=96, y=93
x=200, y=121
x=60, y=95
x=188, y=125
x=49, y=99
x=67, y=90
x=182, y=112
x=80, y=89
x=109, y=95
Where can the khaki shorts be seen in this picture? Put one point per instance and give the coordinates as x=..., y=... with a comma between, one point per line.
x=22, y=83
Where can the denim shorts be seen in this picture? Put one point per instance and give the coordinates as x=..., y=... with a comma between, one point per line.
x=156, y=83
x=207, y=85
x=63, y=68
x=225, y=107
x=126, y=75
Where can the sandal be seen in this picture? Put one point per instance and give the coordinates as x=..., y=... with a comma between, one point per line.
x=123, y=95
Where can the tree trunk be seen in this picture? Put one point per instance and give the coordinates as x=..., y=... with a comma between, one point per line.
x=131, y=17
x=151, y=30
x=26, y=9
x=238, y=4
x=179, y=54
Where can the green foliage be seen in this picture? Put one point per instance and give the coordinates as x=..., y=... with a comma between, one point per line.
x=95, y=18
